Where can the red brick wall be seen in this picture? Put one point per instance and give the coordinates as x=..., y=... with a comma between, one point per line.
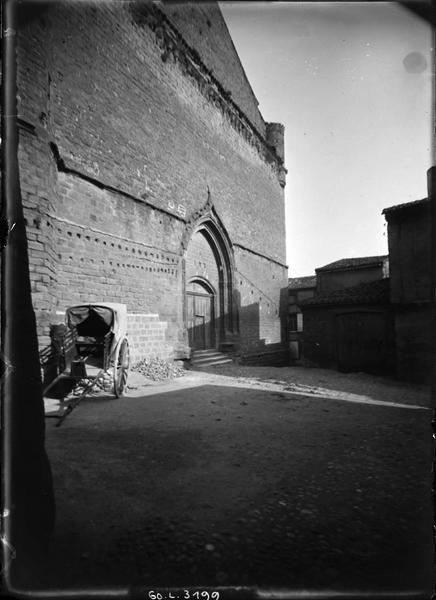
x=263, y=301
x=171, y=150
x=123, y=150
x=204, y=29
x=38, y=195
x=147, y=337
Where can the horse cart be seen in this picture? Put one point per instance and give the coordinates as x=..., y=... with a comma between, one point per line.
x=92, y=351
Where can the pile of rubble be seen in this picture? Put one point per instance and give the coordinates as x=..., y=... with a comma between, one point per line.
x=157, y=369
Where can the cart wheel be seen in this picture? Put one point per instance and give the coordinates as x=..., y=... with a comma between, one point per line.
x=121, y=368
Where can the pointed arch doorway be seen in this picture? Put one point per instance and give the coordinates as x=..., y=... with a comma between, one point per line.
x=210, y=311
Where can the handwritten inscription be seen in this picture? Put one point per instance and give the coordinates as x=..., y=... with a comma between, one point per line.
x=179, y=208
x=184, y=595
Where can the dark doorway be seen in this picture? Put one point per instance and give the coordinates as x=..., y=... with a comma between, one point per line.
x=361, y=339
x=210, y=310
x=200, y=317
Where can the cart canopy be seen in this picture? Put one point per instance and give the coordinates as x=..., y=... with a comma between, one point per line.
x=96, y=320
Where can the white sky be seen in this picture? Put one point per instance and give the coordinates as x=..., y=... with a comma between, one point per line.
x=358, y=135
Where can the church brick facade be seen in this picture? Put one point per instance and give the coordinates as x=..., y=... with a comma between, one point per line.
x=149, y=177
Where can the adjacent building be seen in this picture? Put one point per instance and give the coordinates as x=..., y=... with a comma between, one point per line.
x=348, y=323
x=376, y=314
x=411, y=289
x=348, y=272
x=300, y=288
x=147, y=172
x=351, y=329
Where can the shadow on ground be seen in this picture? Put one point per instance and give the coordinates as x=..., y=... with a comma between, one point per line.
x=214, y=485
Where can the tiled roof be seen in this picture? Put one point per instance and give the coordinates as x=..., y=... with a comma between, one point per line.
x=405, y=206
x=352, y=263
x=296, y=283
x=370, y=292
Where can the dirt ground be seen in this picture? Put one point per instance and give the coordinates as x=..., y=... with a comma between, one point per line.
x=266, y=477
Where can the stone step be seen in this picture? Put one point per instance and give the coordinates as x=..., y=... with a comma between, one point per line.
x=211, y=363
x=208, y=352
x=209, y=356
x=205, y=358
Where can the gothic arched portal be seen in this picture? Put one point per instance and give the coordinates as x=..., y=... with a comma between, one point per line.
x=210, y=310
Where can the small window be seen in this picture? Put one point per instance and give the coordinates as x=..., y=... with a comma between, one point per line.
x=300, y=321
x=293, y=324
x=296, y=322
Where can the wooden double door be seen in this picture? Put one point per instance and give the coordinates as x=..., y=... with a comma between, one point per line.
x=200, y=320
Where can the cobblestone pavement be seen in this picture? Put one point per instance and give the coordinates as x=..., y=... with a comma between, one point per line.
x=297, y=478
